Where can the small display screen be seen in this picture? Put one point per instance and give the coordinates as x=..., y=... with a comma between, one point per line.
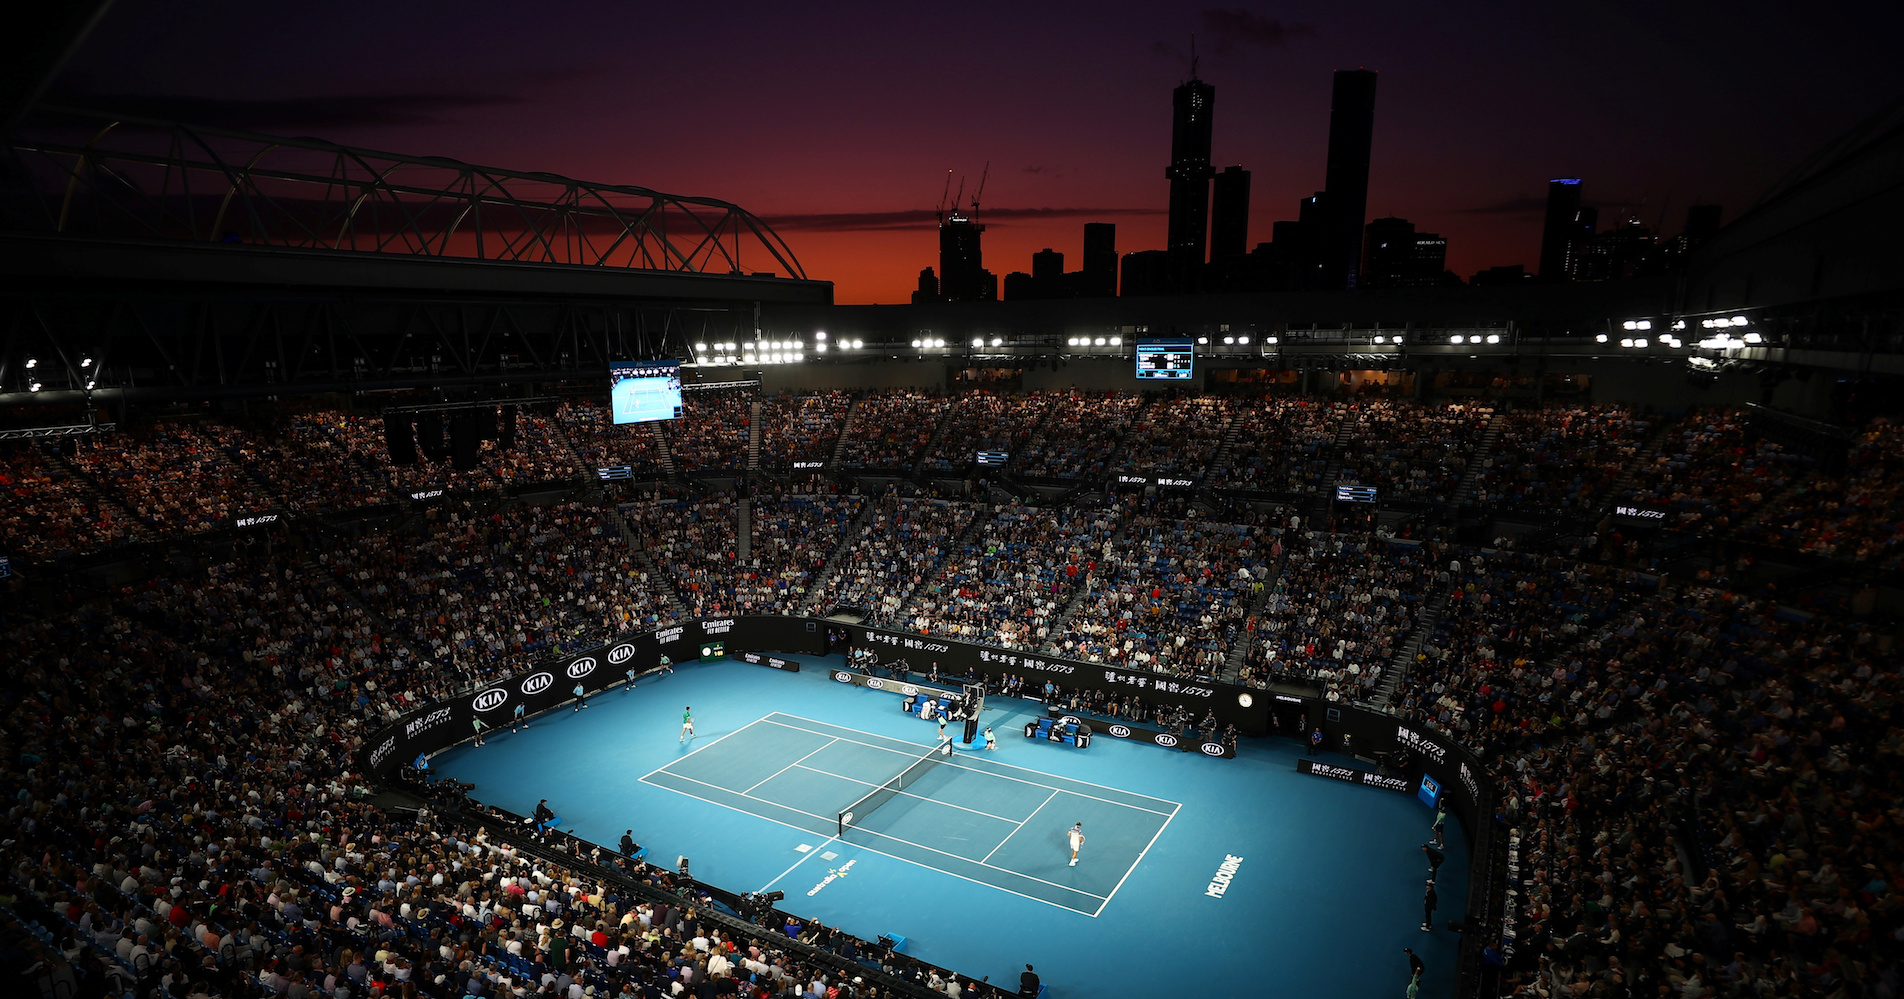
x=1166, y=358
x=1354, y=494
x=643, y=391
x=993, y=457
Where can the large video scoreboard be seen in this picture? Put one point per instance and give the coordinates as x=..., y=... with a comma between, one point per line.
x=1172, y=358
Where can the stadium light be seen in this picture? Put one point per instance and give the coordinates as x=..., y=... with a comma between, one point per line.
x=1494, y=338
x=1738, y=320
x=1398, y=341
x=33, y=387
x=1644, y=324
x=1629, y=325
x=1272, y=341
x=1600, y=338
x=819, y=348
x=1640, y=343
x=978, y=341
x=1229, y=339
x=1203, y=340
x=1380, y=338
x=1117, y=341
x=857, y=344
x=1099, y=342
x=1457, y=338
x=1626, y=342
x=701, y=347
x=819, y=334
x=918, y=343
x=998, y=341
x=32, y=362
x=86, y=362
x=1754, y=338
x=1242, y=339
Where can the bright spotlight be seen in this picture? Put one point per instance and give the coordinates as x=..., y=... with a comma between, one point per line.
x=1242, y=339
x=1738, y=320
x=978, y=341
x=1600, y=338
x=1494, y=338
x=701, y=348
x=1629, y=325
x=1457, y=338
x=1272, y=341
x=1099, y=342
x=1204, y=340
x=1117, y=341
x=918, y=343
x=32, y=362
x=1380, y=338
x=1229, y=339
x=819, y=335
x=86, y=363
x=33, y=387
x=857, y=344
x=1754, y=337
x=998, y=341
x=819, y=348
x=1644, y=324
x=1640, y=343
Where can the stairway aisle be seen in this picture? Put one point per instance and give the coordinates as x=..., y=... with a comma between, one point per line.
x=938, y=435
x=753, y=436
x=822, y=580
x=1404, y=657
x=839, y=443
x=1482, y=453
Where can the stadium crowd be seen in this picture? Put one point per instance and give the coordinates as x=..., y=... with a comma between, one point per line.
x=713, y=429
x=1856, y=515
x=602, y=443
x=50, y=512
x=1559, y=459
x=176, y=479
x=1008, y=585
x=1282, y=446
x=794, y=532
x=698, y=541
x=1339, y=610
x=983, y=420
x=798, y=429
x=1079, y=432
x=1176, y=438
x=1710, y=473
x=890, y=429
x=1411, y=451
x=901, y=544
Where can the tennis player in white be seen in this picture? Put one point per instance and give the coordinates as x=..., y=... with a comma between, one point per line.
x=1076, y=836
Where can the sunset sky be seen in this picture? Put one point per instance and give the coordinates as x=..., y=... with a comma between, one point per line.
x=838, y=123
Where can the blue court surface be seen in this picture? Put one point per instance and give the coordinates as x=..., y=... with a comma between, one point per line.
x=970, y=861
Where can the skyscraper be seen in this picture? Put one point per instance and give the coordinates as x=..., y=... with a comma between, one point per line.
x=1229, y=215
x=1559, y=229
x=1189, y=172
x=1388, y=253
x=1100, y=260
x=1351, y=139
x=962, y=275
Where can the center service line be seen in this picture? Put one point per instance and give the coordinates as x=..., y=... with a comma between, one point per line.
x=803, y=859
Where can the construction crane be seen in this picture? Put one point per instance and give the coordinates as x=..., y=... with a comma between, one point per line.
x=981, y=187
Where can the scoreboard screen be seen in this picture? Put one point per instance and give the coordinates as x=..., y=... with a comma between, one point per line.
x=993, y=457
x=640, y=391
x=1166, y=358
x=1347, y=493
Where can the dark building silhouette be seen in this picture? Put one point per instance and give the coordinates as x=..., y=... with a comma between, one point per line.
x=1189, y=174
x=1047, y=270
x=1229, y=215
x=1396, y=256
x=1098, y=279
x=928, y=290
x=1019, y=287
x=1621, y=251
x=1501, y=276
x=1145, y=272
x=962, y=273
x=1351, y=139
x=1559, y=229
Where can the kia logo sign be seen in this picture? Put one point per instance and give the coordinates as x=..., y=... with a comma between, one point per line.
x=1120, y=731
x=1166, y=740
x=581, y=667
x=537, y=684
x=621, y=654
x=876, y=683
x=1212, y=749
x=490, y=700
x=843, y=676
x=1068, y=720
x=909, y=690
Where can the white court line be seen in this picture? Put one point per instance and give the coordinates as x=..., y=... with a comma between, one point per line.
x=803, y=859
x=710, y=745
x=871, y=832
x=1139, y=860
x=908, y=794
x=1021, y=825
x=993, y=763
x=790, y=766
x=980, y=770
x=868, y=849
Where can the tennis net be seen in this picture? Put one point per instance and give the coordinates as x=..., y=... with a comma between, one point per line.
x=855, y=813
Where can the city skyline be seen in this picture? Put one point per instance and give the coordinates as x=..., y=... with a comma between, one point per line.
x=839, y=128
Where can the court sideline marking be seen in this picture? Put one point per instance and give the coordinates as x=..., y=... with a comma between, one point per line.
x=979, y=770
x=803, y=859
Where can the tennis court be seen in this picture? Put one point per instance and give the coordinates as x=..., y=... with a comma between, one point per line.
x=967, y=816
